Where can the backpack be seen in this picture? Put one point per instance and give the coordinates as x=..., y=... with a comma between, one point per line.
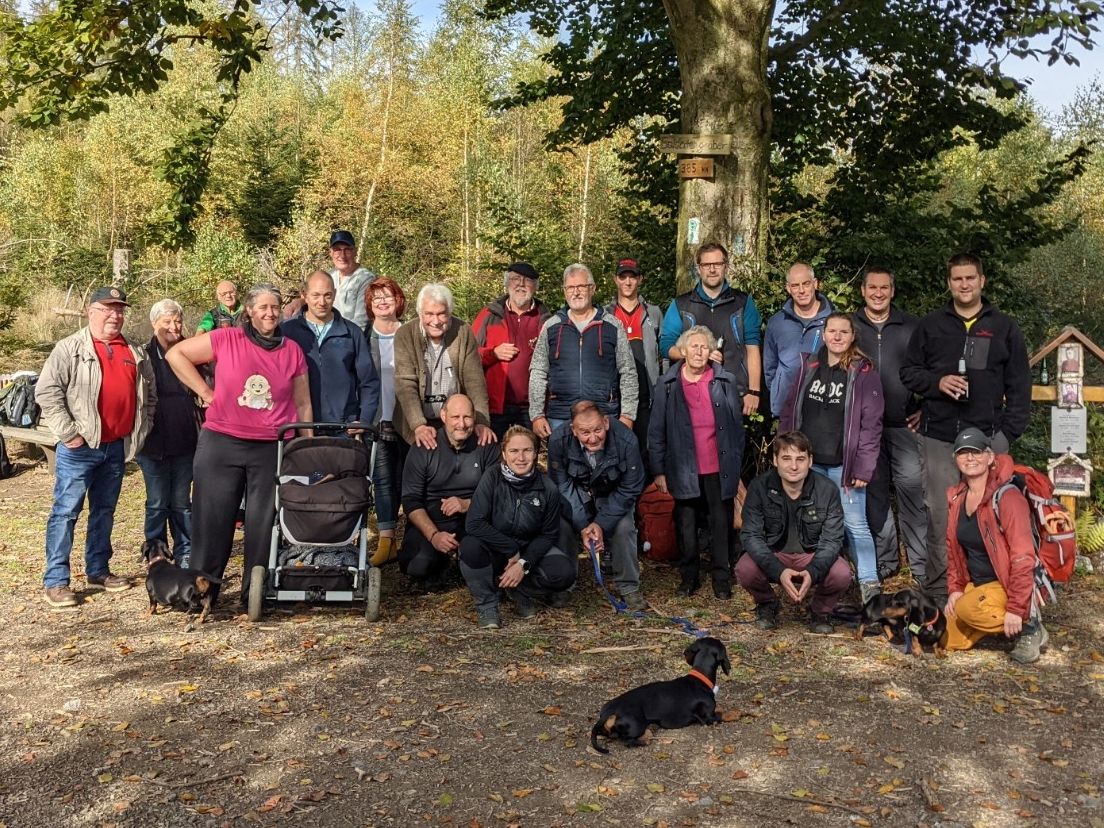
x=1051, y=526
x=657, y=524
x=17, y=402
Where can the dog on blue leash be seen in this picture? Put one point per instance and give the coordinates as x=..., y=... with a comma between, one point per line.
x=670, y=704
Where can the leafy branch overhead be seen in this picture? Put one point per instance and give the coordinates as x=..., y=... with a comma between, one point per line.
x=69, y=62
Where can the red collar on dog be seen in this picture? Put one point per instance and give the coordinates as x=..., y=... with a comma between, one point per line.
x=702, y=677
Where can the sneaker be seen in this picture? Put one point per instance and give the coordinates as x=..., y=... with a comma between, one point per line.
x=766, y=615
x=821, y=624
x=61, y=596
x=635, y=601
x=559, y=600
x=1031, y=640
x=488, y=619
x=109, y=582
x=688, y=587
x=868, y=589
x=523, y=605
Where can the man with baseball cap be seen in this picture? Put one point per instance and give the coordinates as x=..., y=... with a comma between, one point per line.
x=506, y=331
x=97, y=396
x=351, y=279
x=642, y=322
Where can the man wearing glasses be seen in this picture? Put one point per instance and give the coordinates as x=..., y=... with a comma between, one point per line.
x=793, y=332
x=730, y=315
x=642, y=322
x=582, y=353
x=97, y=395
x=506, y=331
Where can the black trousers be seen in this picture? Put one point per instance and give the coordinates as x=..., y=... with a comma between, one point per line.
x=723, y=540
x=225, y=468
x=417, y=557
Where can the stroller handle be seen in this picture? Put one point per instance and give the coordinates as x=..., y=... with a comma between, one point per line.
x=368, y=429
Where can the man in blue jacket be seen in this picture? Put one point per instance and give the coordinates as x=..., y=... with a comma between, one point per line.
x=594, y=460
x=793, y=332
x=344, y=385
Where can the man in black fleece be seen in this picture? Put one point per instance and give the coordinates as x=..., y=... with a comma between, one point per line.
x=436, y=493
x=969, y=363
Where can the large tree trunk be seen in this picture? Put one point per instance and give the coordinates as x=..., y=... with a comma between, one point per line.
x=722, y=54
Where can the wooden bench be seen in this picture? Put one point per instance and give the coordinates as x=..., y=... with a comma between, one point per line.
x=39, y=436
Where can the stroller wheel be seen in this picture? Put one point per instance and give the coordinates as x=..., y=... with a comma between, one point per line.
x=372, y=600
x=256, y=592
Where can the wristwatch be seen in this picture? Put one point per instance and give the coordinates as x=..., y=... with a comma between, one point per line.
x=525, y=565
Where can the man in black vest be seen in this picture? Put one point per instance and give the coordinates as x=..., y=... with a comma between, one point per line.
x=729, y=314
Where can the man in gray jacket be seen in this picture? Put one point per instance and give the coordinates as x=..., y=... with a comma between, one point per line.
x=97, y=395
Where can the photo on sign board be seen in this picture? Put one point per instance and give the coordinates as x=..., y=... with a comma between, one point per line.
x=1070, y=361
x=1071, y=477
x=1069, y=395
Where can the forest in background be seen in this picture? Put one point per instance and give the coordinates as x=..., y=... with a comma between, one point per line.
x=407, y=140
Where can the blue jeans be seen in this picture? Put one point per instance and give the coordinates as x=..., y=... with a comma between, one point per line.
x=97, y=473
x=169, y=500
x=387, y=481
x=854, y=524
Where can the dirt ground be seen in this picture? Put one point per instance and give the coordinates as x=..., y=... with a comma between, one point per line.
x=316, y=717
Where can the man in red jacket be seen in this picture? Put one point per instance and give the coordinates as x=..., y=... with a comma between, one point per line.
x=506, y=331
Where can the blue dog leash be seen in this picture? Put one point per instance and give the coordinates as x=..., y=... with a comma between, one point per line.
x=621, y=608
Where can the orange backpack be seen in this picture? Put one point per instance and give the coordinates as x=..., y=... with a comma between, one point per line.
x=1051, y=524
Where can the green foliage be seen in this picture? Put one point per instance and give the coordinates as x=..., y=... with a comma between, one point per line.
x=1090, y=532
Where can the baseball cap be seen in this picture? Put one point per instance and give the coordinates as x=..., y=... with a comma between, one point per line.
x=109, y=296
x=342, y=237
x=628, y=266
x=524, y=269
x=973, y=439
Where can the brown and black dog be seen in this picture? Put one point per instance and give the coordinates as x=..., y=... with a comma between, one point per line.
x=169, y=585
x=909, y=616
x=672, y=704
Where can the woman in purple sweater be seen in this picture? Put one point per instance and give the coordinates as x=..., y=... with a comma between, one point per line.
x=837, y=402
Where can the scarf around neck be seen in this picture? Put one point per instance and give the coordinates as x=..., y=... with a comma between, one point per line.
x=515, y=478
x=269, y=343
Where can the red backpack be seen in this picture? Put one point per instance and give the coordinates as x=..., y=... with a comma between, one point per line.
x=1055, y=534
x=657, y=524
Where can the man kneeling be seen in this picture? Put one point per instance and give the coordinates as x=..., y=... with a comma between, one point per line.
x=512, y=528
x=436, y=494
x=792, y=535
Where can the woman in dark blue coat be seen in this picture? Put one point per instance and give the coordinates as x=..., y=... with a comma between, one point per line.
x=696, y=446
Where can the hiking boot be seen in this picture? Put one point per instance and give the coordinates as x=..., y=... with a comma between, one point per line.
x=558, y=600
x=766, y=615
x=688, y=587
x=523, y=605
x=488, y=619
x=1031, y=640
x=385, y=551
x=868, y=589
x=61, y=596
x=109, y=582
x=820, y=624
x=635, y=601
x=722, y=589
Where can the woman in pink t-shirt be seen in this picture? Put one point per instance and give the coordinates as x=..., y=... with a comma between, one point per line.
x=260, y=384
x=696, y=448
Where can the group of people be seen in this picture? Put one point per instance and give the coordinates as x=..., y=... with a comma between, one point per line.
x=872, y=406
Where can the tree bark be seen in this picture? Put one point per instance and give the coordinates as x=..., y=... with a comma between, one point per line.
x=722, y=54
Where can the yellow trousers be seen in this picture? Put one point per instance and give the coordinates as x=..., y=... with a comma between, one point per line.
x=978, y=613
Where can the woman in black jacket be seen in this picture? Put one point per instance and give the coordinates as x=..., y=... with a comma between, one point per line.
x=513, y=525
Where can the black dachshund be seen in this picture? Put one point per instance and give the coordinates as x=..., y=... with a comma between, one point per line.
x=670, y=704
x=909, y=616
x=171, y=586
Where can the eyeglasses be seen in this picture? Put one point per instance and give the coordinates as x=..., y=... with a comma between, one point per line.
x=109, y=311
x=579, y=288
x=382, y=298
x=710, y=265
